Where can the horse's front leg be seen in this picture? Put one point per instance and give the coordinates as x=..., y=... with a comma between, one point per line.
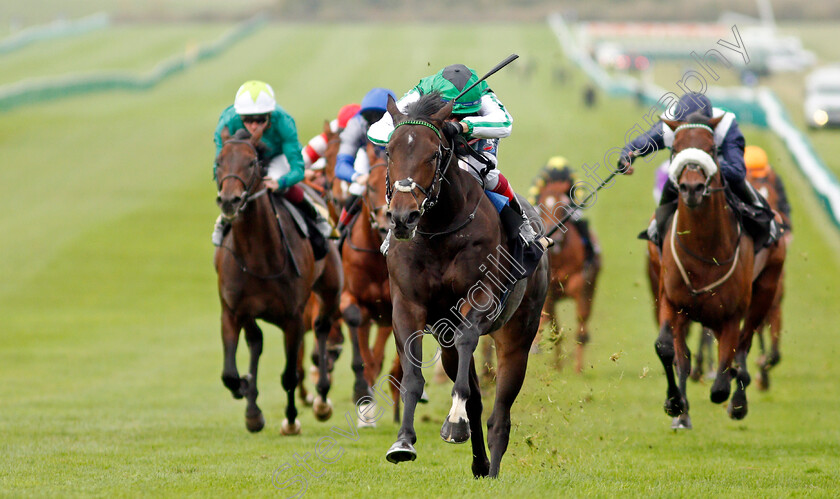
x=456, y=426
x=727, y=345
x=409, y=321
x=683, y=361
x=665, y=351
x=254, y=419
x=230, y=340
x=322, y=406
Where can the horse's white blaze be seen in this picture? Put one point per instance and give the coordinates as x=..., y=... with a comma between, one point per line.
x=550, y=201
x=410, y=139
x=691, y=155
x=459, y=410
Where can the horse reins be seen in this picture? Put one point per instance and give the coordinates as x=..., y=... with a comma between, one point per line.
x=254, y=165
x=707, y=191
x=255, y=178
x=409, y=185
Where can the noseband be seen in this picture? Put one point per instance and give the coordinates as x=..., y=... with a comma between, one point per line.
x=256, y=176
x=707, y=189
x=408, y=184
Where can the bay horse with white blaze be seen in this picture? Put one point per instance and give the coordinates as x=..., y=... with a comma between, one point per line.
x=267, y=271
x=449, y=268
x=709, y=273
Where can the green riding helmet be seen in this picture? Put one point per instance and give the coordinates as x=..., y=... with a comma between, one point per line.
x=450, y=81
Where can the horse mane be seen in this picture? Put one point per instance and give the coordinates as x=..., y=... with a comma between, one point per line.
x=425, y=107
x=544, y=176
x=697, y=118
x=244, y=134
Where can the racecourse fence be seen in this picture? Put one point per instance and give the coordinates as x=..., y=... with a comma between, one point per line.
x=31, y=91
x=759, y=107
x=57, y=29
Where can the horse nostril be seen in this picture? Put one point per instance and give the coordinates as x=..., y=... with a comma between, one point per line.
x=218, y=200
x=413, y=217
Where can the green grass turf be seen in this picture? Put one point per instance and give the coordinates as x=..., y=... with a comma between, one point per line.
x=111, y=354
x=132, y=48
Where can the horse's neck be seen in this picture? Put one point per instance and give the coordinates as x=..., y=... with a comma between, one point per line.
x=710, y=227
x=455, y=189
x=254, y=234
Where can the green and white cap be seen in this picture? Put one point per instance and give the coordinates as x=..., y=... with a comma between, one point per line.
x=450, y=81
x=254, y=97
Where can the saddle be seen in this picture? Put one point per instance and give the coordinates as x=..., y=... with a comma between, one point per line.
x=753, y=221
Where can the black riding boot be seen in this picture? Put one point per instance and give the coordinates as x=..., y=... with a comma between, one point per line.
x=527, y=257
x=757, y=217
x=316, y=238
x=668, y=203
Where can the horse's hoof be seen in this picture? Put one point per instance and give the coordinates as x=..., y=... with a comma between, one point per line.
x=310, y=399
x=763, y=382
x=401, y=452
x=287, y=429
x=682, y=422
x=737, y=410
x=455, y=433
x=721, y=390
x=323, y=410
x=363, y=416
x=255, y=423
x=695, y=375
x=424, y=397
x=236, y=385
x=674, y=407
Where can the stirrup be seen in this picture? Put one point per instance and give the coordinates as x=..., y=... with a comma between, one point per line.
x=526, y=233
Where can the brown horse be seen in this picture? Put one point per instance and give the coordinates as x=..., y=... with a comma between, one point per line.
x=449, y=267
x=366, y=298
x=571, y=276
x=709, y=274
x=767, y=187
x=267, y=271
x=323, y=183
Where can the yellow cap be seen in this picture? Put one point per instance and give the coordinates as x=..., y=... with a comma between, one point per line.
x=756, y=161
x=557, y=162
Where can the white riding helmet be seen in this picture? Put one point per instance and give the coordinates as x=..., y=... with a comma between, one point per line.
x=254, y=97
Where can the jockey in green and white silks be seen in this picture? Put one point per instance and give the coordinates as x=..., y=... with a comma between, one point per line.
x=481, y=119
x=255, y=109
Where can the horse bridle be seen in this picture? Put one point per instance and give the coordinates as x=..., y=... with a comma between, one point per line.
x=707, y=189
x=256, y=177
x=408, y=184
x=371, y=208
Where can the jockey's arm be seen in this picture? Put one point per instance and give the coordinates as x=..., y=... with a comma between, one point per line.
x=291, y=149
x=380, y=132
x=352, y=139
x=731, y=154
x=655, y=139
x=492, y=120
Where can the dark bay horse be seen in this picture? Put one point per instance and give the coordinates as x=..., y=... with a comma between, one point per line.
x=267, y=271
x=450, y=273
x=570, y=275
x=708, y=274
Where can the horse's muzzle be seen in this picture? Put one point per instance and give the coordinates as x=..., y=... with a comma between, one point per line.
x=229, y=205
x=403, y=223
x=692, y=193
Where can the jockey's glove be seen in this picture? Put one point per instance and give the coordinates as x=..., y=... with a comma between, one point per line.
x=452, y=129
x=625, y=160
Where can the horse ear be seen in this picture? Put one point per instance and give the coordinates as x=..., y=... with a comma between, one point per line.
x=444, y=112
x=394, y=111
x=714, y=121
x=327, y=128
x=672, y=124
x=225, y=134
